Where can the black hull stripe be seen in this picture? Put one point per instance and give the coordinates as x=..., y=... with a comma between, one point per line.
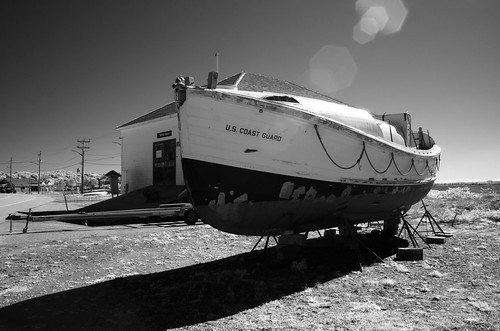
x=252, y=202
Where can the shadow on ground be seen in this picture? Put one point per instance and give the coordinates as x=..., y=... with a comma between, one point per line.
x=118, y=226
x=129, y=221
x=193, y=294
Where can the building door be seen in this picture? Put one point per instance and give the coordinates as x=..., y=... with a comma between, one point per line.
x=164, y=162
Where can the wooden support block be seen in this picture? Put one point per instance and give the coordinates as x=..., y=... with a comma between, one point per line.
x=391, y=227
x=291, y=247
x=409, y=254
x=444, y=234
x=435, y=240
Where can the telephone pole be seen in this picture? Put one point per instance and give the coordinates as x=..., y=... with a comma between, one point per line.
x=83, y=147
x=39, y=164
x=10, y=178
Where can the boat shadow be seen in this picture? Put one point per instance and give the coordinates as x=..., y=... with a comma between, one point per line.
x=118, y=226
x=193, y=294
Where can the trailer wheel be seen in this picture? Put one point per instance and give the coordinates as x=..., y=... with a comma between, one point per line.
x=190, y=217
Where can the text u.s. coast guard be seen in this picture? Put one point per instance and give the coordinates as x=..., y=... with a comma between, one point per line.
x=252, y=133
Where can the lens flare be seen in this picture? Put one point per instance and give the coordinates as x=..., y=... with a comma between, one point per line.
x=374, y=20
x=360, y=36
x=332, y=68
x=378, y=17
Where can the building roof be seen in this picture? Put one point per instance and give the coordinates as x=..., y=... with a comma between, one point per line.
x=112, y=173
x=19, y=181
x=166, y=110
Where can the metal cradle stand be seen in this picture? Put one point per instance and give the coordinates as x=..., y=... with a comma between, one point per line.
x=410, y=232
x=436, y=229
x=266, y=243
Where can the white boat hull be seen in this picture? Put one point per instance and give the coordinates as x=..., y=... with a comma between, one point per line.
x=262, y=168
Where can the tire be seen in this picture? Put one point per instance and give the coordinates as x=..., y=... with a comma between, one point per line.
x=190, y=217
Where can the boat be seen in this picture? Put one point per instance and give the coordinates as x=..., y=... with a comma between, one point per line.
x=264, y=157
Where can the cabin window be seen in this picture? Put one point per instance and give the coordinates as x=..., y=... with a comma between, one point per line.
x=282, y=98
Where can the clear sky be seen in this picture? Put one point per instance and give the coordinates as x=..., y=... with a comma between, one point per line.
x=77, y=69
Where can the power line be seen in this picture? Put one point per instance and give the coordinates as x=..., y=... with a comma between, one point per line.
x=104, y=158
x=107, y=134
x=60, y=151
x=61, y=168
x=105, y=164
x=74, y=157
x=103, y=154
x=16, y=162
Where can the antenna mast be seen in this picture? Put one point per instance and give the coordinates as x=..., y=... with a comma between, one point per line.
x=217, y=61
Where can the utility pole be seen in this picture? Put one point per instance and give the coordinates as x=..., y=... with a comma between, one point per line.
x=10, y=177
x=83, y=147
x=39, y=164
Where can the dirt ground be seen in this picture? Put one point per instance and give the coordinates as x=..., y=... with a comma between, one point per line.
x=165, y=275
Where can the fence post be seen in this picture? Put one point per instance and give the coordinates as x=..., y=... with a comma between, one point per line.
x=28, y=219
x=65, y=201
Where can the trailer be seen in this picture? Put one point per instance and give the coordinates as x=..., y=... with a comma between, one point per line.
x=181, y=210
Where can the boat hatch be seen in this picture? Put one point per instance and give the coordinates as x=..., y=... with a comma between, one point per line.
x=282, y=98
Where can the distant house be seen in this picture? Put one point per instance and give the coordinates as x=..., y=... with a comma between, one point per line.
x=22, y=184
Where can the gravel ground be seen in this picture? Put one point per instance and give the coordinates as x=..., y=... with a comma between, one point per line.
x=165, y=275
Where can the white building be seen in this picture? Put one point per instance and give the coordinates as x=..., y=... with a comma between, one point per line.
x=151, y=150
